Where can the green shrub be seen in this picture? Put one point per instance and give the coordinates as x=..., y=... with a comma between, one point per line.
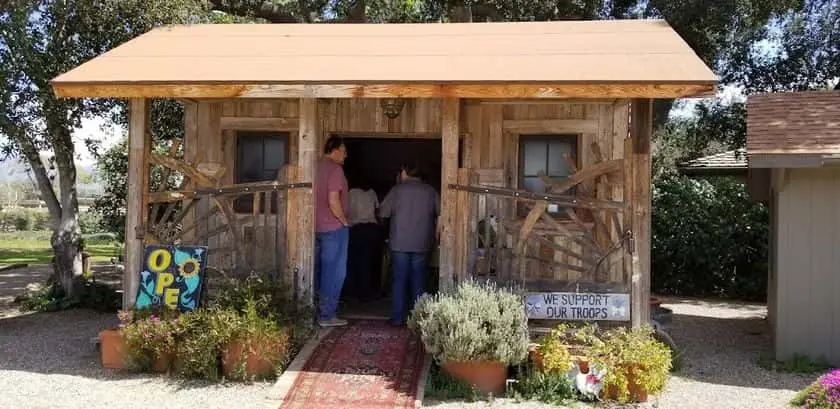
x=441, y=386
x=473, y=323
x=148, y=334
x=200, y=337
x=269, y=297
x=90, y=294
x=709, y=239
x=623, y=351
x=551, y=388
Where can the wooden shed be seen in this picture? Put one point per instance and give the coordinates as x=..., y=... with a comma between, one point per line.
x=795, y=139
x=545, y=126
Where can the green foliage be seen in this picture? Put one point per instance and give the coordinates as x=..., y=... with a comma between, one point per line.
x=90, y=295
x=267, y=297
x=627, y=353
x=797, y=363
x=148, y=334
x=554, y=352
x=475, y=322
x=709, y=239
x=441, y=386
x=201, y=335
x=263, y=334
x=549, y=387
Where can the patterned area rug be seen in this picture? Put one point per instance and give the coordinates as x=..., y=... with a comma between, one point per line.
x=365, y=365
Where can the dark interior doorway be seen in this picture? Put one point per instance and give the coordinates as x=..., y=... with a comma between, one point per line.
x=375, y=162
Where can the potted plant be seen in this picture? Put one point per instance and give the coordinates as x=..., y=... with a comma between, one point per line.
x=563, y=348
x=637, y=364
x=112, y=348
x=257, y=347
x=474, y=332
x=149, y=337
x=201, y=336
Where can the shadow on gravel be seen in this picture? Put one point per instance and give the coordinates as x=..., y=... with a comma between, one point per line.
x=725, y=351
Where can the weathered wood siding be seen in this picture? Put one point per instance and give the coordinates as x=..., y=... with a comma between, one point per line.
x=489, y=132
x=807, y=263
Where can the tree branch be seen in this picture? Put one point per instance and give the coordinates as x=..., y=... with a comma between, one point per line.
x=30, y=152
x=267, y=10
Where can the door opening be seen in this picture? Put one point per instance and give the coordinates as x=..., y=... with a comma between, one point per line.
x=374, y=163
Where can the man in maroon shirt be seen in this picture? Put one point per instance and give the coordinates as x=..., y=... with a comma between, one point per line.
x=331, y=231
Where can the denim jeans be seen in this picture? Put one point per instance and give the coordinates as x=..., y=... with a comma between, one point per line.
x=330, y=270
x=409, y=274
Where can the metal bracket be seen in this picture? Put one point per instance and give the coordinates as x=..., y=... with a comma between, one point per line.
x=631, y=241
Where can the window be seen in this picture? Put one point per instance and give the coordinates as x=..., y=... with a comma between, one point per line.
x=545, y=154
x=259, y=158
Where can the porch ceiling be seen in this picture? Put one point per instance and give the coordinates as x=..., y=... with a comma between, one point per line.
x=615, y=59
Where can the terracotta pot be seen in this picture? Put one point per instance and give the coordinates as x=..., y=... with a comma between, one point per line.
x=487, y=376
x=259, y=359
x=162, y=363
x=112, y=348
x=636, y=393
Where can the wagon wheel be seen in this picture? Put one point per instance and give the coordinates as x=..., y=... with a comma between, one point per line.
x=170, y=226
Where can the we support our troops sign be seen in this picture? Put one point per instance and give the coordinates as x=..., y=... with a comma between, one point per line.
x=578, y=306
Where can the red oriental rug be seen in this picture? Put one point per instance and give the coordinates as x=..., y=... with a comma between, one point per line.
x=365, y=365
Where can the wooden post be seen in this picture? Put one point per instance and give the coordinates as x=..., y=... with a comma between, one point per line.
x=450, y=124
x=462, y=228
x=304, y=206
x=139, y=143
x=191, y=152
x=641, y=129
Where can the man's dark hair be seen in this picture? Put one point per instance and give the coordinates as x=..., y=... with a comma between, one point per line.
x=333, y=144
x=412, y=169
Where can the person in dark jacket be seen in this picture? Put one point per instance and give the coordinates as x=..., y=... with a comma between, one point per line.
x=413, y=207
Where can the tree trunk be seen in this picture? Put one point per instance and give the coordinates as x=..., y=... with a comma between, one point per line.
x=67, y=235
x=66, y=244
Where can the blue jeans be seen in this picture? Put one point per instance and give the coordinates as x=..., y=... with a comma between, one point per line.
x=330, y=269
x=409, y=271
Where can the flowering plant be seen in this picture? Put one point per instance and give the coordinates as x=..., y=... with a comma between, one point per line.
x=824, y=393
x=148, y=334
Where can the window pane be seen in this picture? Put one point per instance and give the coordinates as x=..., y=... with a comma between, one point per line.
x=533, y=154
x=275, y=153
x=557, y=165
x=534, y=184
x=249, y=162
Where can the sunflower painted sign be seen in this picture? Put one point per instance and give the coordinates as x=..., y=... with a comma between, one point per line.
x=171, y=276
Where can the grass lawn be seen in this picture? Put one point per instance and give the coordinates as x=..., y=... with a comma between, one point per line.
x=34, y=248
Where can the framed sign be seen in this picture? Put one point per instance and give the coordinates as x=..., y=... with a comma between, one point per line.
x=578, y=306
x=172, y=276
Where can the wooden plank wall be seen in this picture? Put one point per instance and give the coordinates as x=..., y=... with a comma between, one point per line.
x=494, y=129
x=489, y=129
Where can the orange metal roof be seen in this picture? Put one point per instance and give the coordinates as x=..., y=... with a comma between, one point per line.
x=794, y=122
x=620, y=51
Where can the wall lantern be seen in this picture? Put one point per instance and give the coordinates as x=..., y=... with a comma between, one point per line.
x=392, y=106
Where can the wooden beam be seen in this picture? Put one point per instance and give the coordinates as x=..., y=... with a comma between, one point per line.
x=641, y=128
x=450, y=124
x=139, y=144
x=462, y=227
x=304, y=208
x=560, y=200
x=259, y=124
x=567, y=126
x=410, y=90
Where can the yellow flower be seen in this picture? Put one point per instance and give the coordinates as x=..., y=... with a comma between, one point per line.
x=189, y=267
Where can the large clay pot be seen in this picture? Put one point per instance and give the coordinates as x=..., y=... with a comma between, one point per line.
x=112, y=348
x=487, y=376
x=259, y=358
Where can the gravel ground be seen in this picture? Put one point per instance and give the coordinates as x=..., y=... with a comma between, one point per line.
x=721, y=342
x=48, y=361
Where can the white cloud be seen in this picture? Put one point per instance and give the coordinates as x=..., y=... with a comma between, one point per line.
x=98, y=129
